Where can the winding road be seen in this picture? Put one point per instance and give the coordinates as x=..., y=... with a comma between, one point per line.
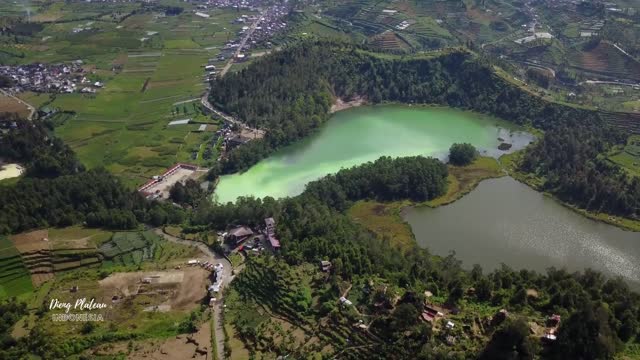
x=226, y=275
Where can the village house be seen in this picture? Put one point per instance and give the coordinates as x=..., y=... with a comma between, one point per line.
x=270, y=232
x=325, y=265
x=239, y=234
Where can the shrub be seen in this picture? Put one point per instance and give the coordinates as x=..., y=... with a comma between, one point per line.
x=462, y=154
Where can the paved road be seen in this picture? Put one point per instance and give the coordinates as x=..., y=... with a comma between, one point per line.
x=257, y=133
x=243, y=42
x=205, y=101
x=227, y=278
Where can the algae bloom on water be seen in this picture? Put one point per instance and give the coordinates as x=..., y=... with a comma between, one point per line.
x=364, y=134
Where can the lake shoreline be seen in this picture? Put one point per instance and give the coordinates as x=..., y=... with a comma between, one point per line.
x=340, y=105
x=506, y=220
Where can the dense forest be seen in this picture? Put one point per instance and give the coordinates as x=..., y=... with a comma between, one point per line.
x=31, y=144
x=57, y=191
x=567, y=157
x=290, y=92
x=416, y=178
x=601, y=315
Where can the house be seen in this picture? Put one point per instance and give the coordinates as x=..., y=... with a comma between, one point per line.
x=237, y=141
x=239, y=234
x=450, y=325
x=553, y=321
x=429, y=314
x=325, y=265
x=345, y=301
x=179, y=122
x=210, y=67
x=271, y=233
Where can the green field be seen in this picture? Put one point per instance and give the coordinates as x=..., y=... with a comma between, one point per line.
x=15, y=279
x=151, y=65
x=629, y=157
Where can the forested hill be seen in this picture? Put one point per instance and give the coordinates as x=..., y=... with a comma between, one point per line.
x=57, y=191
x=289, y=94
x=600, y=316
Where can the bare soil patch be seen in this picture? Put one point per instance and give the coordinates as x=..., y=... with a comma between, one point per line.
x=180, y=289
x=31, y=241
x=194, y=346
x=340, y=104
x=9, y=104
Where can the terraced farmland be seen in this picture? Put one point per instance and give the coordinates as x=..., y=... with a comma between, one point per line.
x=15, y=279
x=624, y=121
x=389, y=41
x=606, y=60
x=151, y=65
x=133, y=248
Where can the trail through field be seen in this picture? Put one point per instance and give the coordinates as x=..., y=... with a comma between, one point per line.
x=32, y=110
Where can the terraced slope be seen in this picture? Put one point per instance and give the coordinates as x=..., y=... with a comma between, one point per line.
x=14, y=275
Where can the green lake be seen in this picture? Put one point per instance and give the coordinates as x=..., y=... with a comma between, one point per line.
x=358, y=135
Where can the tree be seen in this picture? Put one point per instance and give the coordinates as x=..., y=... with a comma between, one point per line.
x=511, y=342
x=587, y=335
x=462, y=154
x=483, y=289
x=404, y=316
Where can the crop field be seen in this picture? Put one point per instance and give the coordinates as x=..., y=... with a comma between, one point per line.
x=152, y=66
x=131, y=249
x=629, y=157
x=605, y=59
x=11, y=105
x=15, y=279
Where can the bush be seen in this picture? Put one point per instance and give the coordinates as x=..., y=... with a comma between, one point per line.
x=462, y=154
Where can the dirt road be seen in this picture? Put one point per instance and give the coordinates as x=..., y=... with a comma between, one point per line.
x=226, y=275
x=32, y=110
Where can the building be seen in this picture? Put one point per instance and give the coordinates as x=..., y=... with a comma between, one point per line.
x=179, y=122
x=237, y=141
x=239, y=234
x=325, y=265
x=429, y=314
x=344, y=301
x=271, y=233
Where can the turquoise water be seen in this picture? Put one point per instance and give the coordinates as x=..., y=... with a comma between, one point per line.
x=358, y=135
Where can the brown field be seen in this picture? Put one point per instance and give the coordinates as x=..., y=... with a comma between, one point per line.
x=39, y=279
x=389, y=40
x=180, y=290
x=9, y=104
x=178, y=348
x=31, y=241
x=36, y=252
x=605, y=58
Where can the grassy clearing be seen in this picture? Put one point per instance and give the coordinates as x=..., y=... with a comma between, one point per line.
x=629, y=156
x=383, y=219
x=69, y=236
x=236, y=259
